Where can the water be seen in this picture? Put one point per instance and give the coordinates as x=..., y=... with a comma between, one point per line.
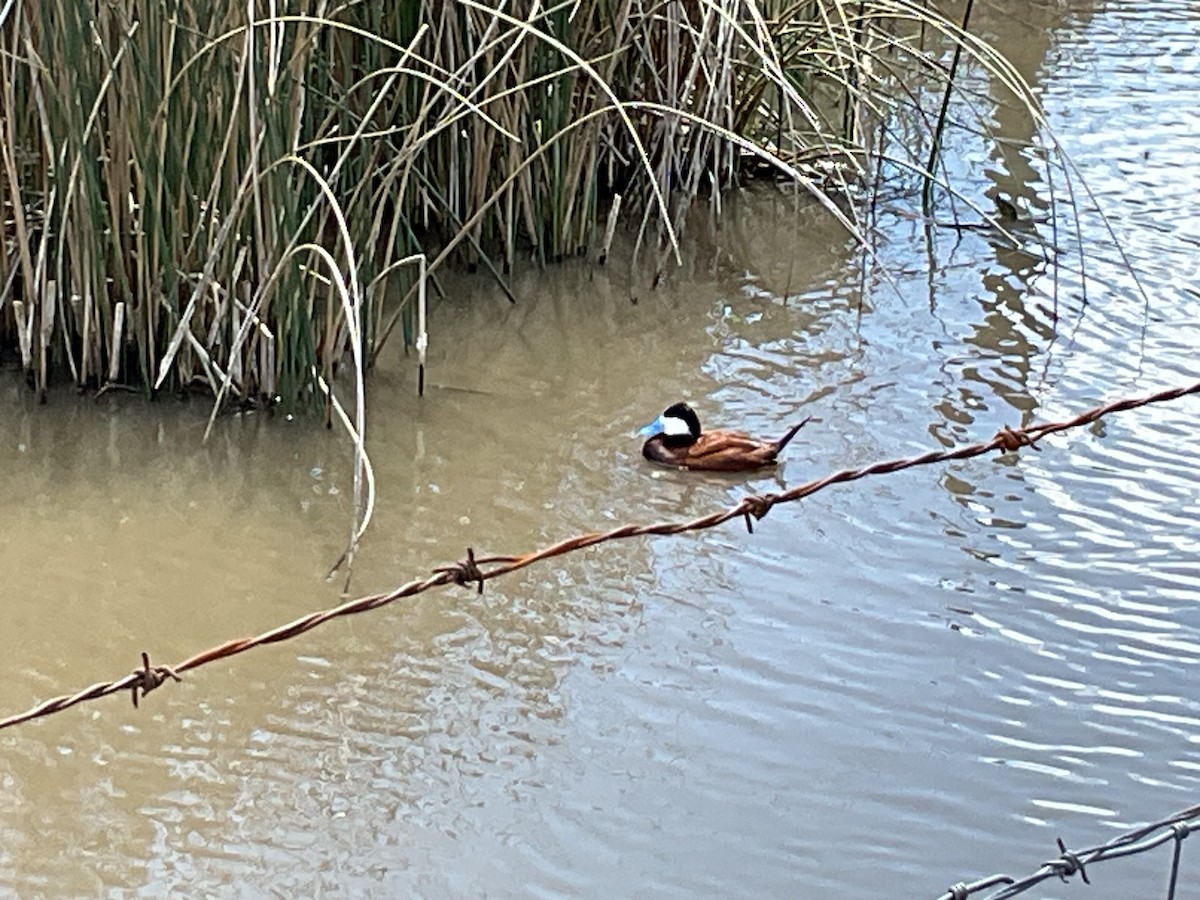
x=892, y=686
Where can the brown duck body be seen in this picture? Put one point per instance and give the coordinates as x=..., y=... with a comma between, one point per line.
x=712, y=451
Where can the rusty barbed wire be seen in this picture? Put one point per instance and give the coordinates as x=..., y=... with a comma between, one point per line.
x=468, y=571
x=1175, y=828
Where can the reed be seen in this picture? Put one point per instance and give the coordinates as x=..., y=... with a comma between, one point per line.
x=197, y=196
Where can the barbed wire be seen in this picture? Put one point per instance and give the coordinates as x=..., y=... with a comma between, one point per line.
x=468, y=571
x=1175, y=828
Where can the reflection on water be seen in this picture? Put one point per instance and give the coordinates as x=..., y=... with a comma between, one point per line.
x=930, y=675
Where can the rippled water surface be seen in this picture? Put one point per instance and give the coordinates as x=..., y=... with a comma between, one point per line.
x=892, y=686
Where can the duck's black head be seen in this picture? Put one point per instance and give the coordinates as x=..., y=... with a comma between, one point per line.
x=679, y=426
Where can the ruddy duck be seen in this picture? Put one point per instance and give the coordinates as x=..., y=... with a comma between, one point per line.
x=676, y=440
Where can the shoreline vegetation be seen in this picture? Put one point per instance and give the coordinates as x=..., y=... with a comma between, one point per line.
x=197, y=199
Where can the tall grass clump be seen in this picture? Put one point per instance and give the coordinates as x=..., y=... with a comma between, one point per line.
x=224, y=194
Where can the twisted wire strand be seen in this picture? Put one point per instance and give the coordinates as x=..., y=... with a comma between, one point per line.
x=1174, y=827
x=468, y=571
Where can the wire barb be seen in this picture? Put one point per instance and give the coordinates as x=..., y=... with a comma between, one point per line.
x=1011, y=440
x=465, y=571
x=1067, y=863
x=148, y=677
x=757, y=505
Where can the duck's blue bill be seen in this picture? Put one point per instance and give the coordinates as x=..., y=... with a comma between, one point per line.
x=654, y=427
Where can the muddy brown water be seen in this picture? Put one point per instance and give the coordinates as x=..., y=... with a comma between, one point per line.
x=893, y=686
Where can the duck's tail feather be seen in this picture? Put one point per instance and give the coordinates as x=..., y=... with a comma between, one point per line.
x=783, y=441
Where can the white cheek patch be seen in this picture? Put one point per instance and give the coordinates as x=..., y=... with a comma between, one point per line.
x=674, y=427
